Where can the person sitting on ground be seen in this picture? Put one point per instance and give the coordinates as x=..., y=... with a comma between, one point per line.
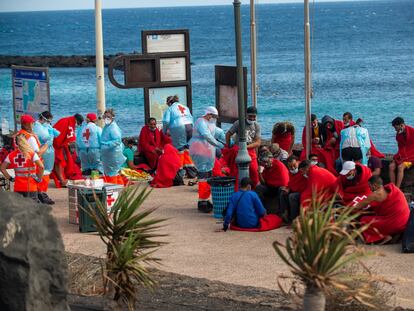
x=354, y=145
x=274, y=179
x=352, y=183
x=245, y=208
x=319, y=181
x=128, y=152
x=151, y=143
x=278, y=153
x=374, y=164
x=404, y=158
x=290, y=197
x=283, y=133
x=391, y=212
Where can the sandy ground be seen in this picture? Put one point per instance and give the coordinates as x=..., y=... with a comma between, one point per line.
x=240, y=258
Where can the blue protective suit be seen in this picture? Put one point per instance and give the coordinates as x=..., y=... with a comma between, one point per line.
x=88, y=140
x=46, y=133
x=176, y=120
x=203, y=145
x=362, y=137
x=111, y=149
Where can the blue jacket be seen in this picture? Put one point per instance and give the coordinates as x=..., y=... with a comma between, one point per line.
x=248, y=210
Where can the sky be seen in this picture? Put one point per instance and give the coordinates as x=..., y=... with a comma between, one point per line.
x=45, y=5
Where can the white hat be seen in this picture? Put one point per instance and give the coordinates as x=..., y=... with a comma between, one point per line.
x=210, y=110
x=348, y=166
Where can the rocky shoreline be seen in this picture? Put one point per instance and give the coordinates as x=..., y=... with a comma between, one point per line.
x=7, y=61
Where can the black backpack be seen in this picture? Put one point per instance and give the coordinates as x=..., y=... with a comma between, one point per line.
x=408, y=238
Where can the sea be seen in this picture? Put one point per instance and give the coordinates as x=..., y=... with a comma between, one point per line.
x=362, y=59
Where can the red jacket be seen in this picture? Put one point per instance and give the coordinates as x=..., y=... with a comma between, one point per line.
x=405, y=146
x=356, y=189
x=277, y=175
x=66, y=127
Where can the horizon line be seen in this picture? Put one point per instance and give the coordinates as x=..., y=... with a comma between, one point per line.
x=191, y=6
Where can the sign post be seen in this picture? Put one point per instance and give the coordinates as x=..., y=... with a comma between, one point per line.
x=31, y=91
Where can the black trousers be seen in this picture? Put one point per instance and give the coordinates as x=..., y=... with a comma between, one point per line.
x=270, y=197
x=351, y=154
x=32, y=195
x=290, y=205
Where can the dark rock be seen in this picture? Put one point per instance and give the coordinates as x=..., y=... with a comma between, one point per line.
x=33, y=269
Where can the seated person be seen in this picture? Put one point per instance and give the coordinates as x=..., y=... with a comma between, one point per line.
x=168, y=168
x=314, y=160
x=391, y=211
x=290, y=197
x=283, y=133
x=320, y=181
x=129, y=154
x=151, y=143
x=374, y=164
x=352, y=183
x=278, y=153
x=245, y=207
x=273, y=179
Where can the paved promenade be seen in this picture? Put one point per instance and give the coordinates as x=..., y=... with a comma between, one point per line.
x=241, y=258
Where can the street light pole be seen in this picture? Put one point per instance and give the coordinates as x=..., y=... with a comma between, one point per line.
x=308, y=79
x=253, y=49
x=243, y=159
x=100, y=80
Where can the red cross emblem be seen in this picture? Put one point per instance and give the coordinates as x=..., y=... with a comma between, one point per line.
x=19, y=160
x=358, y=199
x=182, y=109
x=110, y=200
x=70, y=132
x=86, y=134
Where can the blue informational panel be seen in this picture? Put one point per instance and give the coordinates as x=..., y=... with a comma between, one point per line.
x=31, y=92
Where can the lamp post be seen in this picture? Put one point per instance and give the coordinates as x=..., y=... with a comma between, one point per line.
x=243, y=159
x=100, y=81
x=253, y=48
x=308, y=79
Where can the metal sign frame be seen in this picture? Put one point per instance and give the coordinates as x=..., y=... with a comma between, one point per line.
x=39, y=69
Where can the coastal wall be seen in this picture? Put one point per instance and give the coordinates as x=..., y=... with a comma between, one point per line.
x=7, y=61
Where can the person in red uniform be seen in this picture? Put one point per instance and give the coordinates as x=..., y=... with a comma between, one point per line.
x=352, y=183
x=283, y=133
x=320, y=182
x=169, y=165
x=151, y=143
x=28, y=168
x=317, y=146
x=290, y=197
x=391, y=212
x=404, y=158
x=63, y=157
x=273, y=180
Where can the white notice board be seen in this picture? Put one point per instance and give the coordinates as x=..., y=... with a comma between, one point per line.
x=165, y=43
x=173, y=69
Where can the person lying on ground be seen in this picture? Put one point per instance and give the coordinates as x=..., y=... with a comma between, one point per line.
x=245, y=208
x=391, y=212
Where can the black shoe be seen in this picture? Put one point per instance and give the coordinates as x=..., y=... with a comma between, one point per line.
x=44, y=198
x=205, y=207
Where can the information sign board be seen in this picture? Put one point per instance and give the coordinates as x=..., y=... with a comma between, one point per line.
x=157, y=98
x=173, y=69
x=161, y=43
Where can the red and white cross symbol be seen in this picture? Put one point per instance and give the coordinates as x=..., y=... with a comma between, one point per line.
x=86, y=134
x=358, y=199
x=182, y=109
x=19, y=160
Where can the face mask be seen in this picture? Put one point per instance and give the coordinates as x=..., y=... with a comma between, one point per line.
x=134, y=148
x=314, y=125
x=107, y=121
x=314, y=162
x=212, y=121
x=294, y=171
x=346, y=124
x=152, y=129
x=305, y=175
x=400, y=131
x=249, y=122
x=350, y=177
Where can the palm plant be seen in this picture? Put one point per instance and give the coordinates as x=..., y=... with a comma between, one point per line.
x=321, y=246
x=129, y=237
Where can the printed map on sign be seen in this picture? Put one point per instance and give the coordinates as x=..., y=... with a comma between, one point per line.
x=31, y=91
x=158, y=98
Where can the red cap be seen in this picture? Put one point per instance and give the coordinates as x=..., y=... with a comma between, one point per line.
x=91, y=116
x=26, y=119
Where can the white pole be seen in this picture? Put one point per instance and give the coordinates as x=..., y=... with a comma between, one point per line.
x=100, y=81
x=253, y=52
x=308, y=80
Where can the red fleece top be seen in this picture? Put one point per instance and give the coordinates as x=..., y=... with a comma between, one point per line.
x=277, y=175
x=405, y=146
x=351, y=189
x=150, y=140
x=66, y=127
x=297, y=183
x=168, y=165
x=320, y=181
